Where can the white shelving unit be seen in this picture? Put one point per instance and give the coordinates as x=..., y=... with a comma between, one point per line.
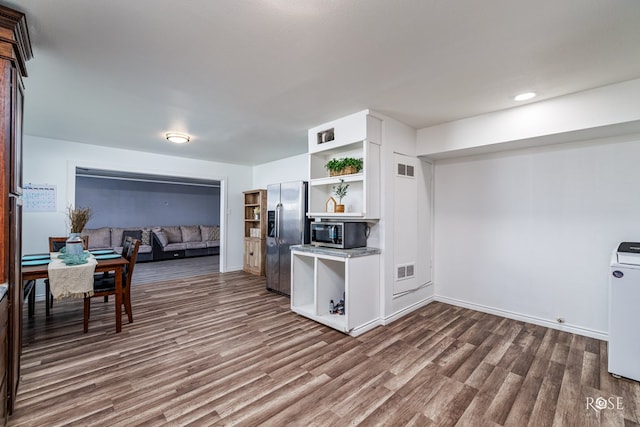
x=321, y=277
x=384, y=287
x=357, y=135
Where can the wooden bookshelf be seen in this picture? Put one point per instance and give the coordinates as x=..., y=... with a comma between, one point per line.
x=255, y=228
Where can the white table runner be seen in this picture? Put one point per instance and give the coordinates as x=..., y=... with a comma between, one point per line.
x=71, y=281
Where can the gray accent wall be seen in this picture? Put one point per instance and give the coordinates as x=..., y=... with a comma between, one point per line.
x=131, y=203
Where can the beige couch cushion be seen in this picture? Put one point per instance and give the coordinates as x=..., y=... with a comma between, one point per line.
x=196, y=245
x=116, y=236
x=190, y=233
x=99, y=238
x=162, y=238
x=173, y=233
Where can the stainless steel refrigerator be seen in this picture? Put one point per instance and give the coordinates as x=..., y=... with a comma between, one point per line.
x=287, y=225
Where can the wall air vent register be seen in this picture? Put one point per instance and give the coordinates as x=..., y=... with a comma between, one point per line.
x=405, y=170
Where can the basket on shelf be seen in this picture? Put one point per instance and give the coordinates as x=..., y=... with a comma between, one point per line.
x=344, y=171
x=343, y=166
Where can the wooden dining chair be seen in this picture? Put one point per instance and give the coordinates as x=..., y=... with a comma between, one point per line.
x=125, y=247
x=128, y=240
x=55, y=244
x=105, y=286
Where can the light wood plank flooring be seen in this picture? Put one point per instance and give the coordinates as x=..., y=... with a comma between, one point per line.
x=221, y=350
x=156, y=271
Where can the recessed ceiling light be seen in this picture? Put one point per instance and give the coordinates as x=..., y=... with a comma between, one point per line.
x=524, y=96
x=178, y=138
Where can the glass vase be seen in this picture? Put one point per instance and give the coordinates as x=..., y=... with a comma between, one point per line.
x=74, y=244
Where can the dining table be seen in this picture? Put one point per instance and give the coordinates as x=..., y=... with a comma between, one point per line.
x=30, y=273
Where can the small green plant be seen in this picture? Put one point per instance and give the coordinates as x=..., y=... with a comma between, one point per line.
x=353, y=162
x=340, y=190
x=334, y=165
x=337, y=165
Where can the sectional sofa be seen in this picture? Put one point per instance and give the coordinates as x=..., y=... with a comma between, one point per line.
x=113, y=237
x=185, y=241
x=159, y=242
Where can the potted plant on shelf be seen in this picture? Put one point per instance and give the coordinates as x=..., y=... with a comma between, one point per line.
x=256, y=213
x=340, y=191
x=344, y=166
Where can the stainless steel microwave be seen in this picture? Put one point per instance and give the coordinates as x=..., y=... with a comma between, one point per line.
x=342, y=235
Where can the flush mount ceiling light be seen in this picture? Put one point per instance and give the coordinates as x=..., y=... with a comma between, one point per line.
x=524, y=96
x=178, y=138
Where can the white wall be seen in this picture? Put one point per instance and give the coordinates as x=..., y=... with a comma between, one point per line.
x=294, y=168
x=529, y=233
x=50, y=161
x=595, y=113
x=400, y=138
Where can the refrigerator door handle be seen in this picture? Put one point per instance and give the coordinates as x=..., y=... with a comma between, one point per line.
x=278, y=207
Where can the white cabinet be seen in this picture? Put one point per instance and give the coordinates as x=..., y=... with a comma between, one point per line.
x=320, y=275
x=359, y=126
x=359, y=136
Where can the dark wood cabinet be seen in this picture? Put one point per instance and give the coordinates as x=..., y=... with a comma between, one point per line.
x=15, y=50
x=4, y=329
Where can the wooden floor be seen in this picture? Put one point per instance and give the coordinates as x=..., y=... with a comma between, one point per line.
x=155, y=271
x=220, y=350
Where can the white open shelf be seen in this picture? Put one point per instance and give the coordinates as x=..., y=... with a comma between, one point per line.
x=334, y=180
x=318, y=278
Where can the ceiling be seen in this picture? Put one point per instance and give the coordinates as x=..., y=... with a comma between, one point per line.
x=247, y=78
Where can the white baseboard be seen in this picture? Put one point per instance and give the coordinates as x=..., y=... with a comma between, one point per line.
x=232, y=269
x=574, y=329
x=364, y=328
x=400, y=313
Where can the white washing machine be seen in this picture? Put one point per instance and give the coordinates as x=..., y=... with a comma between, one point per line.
x=624, y=311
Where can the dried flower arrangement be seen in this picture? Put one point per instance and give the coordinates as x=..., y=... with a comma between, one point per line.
x=78, y=218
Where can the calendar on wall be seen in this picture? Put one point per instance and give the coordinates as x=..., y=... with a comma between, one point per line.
x=39, y=198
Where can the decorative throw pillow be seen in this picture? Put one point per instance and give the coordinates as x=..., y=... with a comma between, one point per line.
x=145, y=240
x=136, y=234
x=210, y=233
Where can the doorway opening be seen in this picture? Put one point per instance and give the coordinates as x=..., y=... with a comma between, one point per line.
x=126, y=200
